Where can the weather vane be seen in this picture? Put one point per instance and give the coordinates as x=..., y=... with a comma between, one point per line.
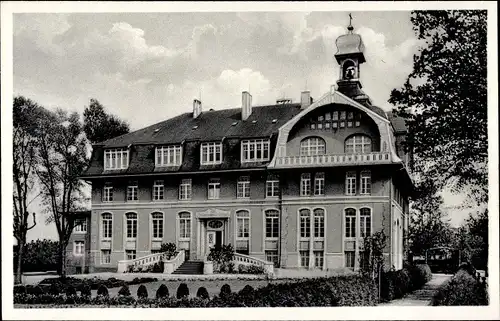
x=350, y=27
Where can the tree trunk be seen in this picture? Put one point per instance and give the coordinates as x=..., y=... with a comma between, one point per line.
x=61, y=270
x=19, y=276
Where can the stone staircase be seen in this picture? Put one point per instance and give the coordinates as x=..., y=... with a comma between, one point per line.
x=190, y=267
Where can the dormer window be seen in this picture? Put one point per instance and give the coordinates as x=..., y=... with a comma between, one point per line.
x=116, y=158
x=169, y=155
x=211, y=153
x=255, y=150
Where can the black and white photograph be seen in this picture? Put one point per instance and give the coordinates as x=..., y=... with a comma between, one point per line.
x=245, y=155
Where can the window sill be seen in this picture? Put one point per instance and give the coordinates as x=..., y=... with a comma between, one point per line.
x=107, y=201
x=270, y=238
x=185, y=199
x=217, y=163
x=77, y=255
x=242, y=238
x=80, y=233
x=272, y=197
x=243, y=198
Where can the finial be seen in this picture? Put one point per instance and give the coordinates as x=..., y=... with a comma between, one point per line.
x=350, y=27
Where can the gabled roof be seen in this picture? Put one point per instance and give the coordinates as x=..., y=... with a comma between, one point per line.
x=211, y=125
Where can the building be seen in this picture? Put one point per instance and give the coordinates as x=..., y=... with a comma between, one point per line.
x=297, y=184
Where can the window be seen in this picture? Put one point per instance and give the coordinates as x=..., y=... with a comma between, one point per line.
x=350, y=115
x=116, y=158
x=256, y=150
x=157, y=222
x=312, y=146
x=243, y=187
x=335, y=115
x=130, y=254
x=131, y=225
x=327, y=125
x=358, y=144
x=243, y=224
x=107, y=225
x=342, y=115
x=365, y=222
x=320, y=125
x=213, y=189
x=184, y=225
x=319, y=258
x=366, y=183
x=80, y=225
x=78, y=248
x=319, y=223
x=305, y=223
x=107, y=193
x=272, y=187
x=350, y=183
x=328, y=116
x=349, y=259
x=132, y=191
x=304, y=258
x=211, y=153
x=272, y=224
x=319, y=184
x=350, y=223
x=272, y=256
x=105, y=256
x=169, y=155
x=158, y=190
x=185, y=189
x=305, y=184
x=313, y=126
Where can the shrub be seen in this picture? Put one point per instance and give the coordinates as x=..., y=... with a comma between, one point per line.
x=469, y=268
x=36, y=290
x=162, y=292
x=103, y=291
x=225, y=290
x=124, y=291
x=461, y=289
x=158, y=267
x=55, y=288
x=19, y=289
x=247, y=291
x=70, y=290
x=142, y=292
x=221, y=257
x=86, y=291
x=255, y=269
x=182, y=291
x=202, y=293
x=395, y=284
x=420, y=274
x=169, y=249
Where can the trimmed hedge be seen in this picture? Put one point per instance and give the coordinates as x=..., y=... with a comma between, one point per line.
x=142, y=292
x=182, y=291
x=162, y=292
x=202, y=293
x=461, y=289
x=395, y=284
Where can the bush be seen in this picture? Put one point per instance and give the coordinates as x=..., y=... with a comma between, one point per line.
x=162, y=292
x=202, y=293
x=142, y=292
x=469, y=268
x=158, y=267
x=56, y=288
x=225, y=290
x=182, y=291
x=169, y=249
x=19, y=289
x=420, y=274
x=124, y=291
x=461, y=289
x=103, y=291
x=395, y=284
x=70, y=290
x=221, y=257
x=86, y=291
x=248, y=290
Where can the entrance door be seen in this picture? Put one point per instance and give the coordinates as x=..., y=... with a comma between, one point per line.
x=218, y=239
x=211, y=239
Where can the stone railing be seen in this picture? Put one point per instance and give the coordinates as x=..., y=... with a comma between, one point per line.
x=141, y=261
x=333, y=160
x=241, y=259
x=171, y=265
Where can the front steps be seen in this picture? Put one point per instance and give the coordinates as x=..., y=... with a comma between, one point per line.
x=190, y=268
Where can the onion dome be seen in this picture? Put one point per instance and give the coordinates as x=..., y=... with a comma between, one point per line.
x=350, y=45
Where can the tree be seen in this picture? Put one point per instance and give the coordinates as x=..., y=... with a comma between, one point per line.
x=61, y=160
x=99, y=126
x=25, y=127
x=447, y=96
x=473, y=239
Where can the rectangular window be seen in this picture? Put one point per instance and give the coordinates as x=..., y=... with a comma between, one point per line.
x=272, y=224
x=335, y=115
x=184, y=226
x=243, y=187
x=107, y=193
x=335, y=124
x=313, y=126
x=80, y=225
x=350, y=183
x=319, y=184
x=79, y=248
x=305, y=184
x=320, y=125
x=185, y=189
x=158, y=190
x=350, y=225
x=132, y=191
x=319, y=223
x=131, y=226
x=213, y=189
x=327, y=125
x=350, y=115
x=305, y=223
x=366, y=183
x=157, y=222
x=169, y=155
x=211, y=153
x=105, y=256
x=130, y=254
x=116, y=158
x=349, y=259
x=243, y=224
x=272, y=188
x=304, y=258
x=107, y=226
x=365, y=222
x=319, y=258
x=357, y=123
x=349, y=124
x=342, y=115
x=328, y=116
x=256, y=150
x=272, y=256
x=342, y=124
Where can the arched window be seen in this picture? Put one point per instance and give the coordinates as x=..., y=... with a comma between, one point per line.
x=349, y=69
x=131, y=225
x=350, y=222
x=185, y=225
x=319, y=222
x=157, y=222
x=312, y=146
x=243, y=224
x=305, y=223
x=107, y=225
x=272, y=224
x=365, y=222
x=358, y=144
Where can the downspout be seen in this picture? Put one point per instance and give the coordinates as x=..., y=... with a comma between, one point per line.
x=390, y=221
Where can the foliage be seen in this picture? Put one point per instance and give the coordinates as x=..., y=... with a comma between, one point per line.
x=221, y=257
x=162, y=292
x=419, y=274
x=250, y=269
x=473, y=240
x=86, y=290
x=170, y=249
x=142, y=292
x=447, y=98
x=157, y=267
x=225, y=290
x=102, y=290
x=124, y=290
x=395, y=284
x=100, y=126
x=182, y=291
x=202, y=293
x=248, y=290
x=462, y=289
x=40, y=255
x=373, y=258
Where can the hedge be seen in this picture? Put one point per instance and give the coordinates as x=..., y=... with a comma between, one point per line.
x=461, y=289
x=395, y=284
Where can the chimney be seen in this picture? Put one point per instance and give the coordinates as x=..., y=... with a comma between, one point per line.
x=246, y=105
x=196, y=108
x=305, y=99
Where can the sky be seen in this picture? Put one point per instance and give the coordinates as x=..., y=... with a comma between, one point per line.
x=147, y=67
